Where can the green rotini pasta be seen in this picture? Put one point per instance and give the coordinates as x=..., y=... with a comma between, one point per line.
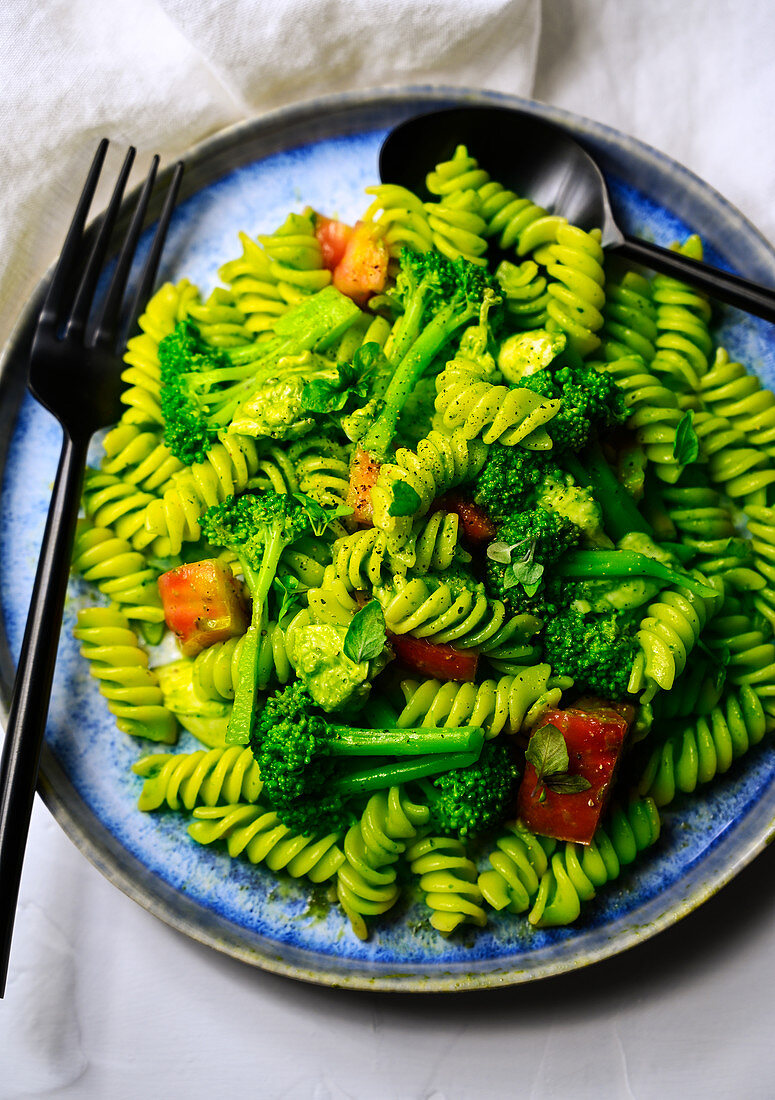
x=181, y=781
x=448, y=879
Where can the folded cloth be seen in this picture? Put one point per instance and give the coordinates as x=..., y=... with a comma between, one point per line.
x=163, y=74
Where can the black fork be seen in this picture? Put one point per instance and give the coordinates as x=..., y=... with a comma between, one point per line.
x=74, y=371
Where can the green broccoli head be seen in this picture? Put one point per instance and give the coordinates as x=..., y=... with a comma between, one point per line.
x=471, y=800
x=535, y=539
x=591, y=400
x=245, y=523
x=183, y=356
x=596, y=650
x=291, y=747
x=510, y=478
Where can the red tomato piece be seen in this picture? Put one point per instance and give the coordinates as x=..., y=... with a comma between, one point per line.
x=203, y=604
x=333, y=236
x=594, y=732
x=442, y=662
x=362, y=270
x=364, y=471
x=475, y=524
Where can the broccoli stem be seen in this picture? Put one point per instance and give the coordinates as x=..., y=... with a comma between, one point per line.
x=344, y=741
x=431, y=340
x=620, y=512
x=391, y=775
x=246, y=689
x=627, y=563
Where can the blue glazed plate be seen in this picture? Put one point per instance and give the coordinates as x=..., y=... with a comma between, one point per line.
x=248, y=178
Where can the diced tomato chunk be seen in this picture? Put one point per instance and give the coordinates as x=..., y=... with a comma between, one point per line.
x=333, y=236
x=442, y=662
x=475, y=524
x=362, y=270
x=594, y=732
x=203, y=604
x=364, y=471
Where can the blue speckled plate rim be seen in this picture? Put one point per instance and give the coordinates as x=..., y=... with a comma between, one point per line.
x=348, y=113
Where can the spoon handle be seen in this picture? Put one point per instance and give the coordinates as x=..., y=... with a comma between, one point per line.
x=718, y=284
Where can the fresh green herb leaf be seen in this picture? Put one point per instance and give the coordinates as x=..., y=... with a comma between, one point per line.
x=686, y=448
x=500, y=552
x=564, y=783
x=318, y=516
x=406, y=500
x=323, y=397
x=528, y=574
x=547, y=752
x=288, y=591
x=366, y=634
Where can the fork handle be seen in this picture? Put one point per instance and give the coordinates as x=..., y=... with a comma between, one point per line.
x=32, y=686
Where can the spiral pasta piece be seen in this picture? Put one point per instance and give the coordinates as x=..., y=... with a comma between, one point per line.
x=118, y=662
x=121, y=507
x=120, y=573
x=510, y=704
x=257, y=833
x=517, y=866
x=228, y=467
x=654, y=413
x=666, y=637
x=401, y=217
x=524, y=293
x=699, y=751
x=142, y=375
x=728, y=390
x=683, y=342
x=216, y=668
x=465, y=618
x=138, y=456
x=458, y=228
x=220, y=321
x=761, y=527
x=472, y=408
x=276, y=272
x=366, y=880
x=574, y=264
x=577, y=871
x=448, y=879
x=629, y=326
x=322, y=468
x=364, y=559
x=742, y=470
x=181, y=781
x=440, y=462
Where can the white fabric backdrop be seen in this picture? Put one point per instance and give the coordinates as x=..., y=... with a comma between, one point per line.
x=103, y=1000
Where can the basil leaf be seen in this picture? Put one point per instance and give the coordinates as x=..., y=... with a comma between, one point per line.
x=564, y=783
x=406, y=500
x=500, y=552
x=366, y=634
x=686, y=448
x=547, y=752
x=323, y=397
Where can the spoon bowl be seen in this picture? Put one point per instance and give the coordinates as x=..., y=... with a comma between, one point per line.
x=542, y=161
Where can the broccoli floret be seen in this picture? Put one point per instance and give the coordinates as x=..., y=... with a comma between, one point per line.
x=535, y=537
x=596, y=651
x=202, y=388
x=591, y=400
x=559, y=495
x=258, y=527
x=510, y=477
x=300, y=757
x=438, y=297
x=472, y=800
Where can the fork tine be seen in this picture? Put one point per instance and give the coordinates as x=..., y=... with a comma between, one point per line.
x=150, y=268
x=108, y=316
x=68, y=259
x=83, y=299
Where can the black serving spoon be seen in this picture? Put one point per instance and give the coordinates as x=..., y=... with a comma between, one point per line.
x=541, y=161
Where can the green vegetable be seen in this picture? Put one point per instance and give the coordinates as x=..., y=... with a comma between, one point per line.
x=548, y=754
x=406, y=500
x=365, y=638
x=300, y=756
x=471, y=800
x=202, y=388
x=628, y=563
x=258, y=527
x=438, y=297
x=686, y=447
